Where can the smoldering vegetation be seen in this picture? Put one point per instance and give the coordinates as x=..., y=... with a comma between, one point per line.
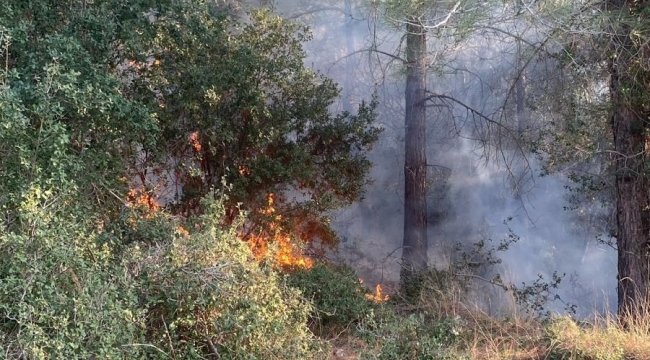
x=492, y=196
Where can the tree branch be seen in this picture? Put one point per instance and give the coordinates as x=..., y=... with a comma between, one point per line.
x=392, y=56
x=441, y=23
x=467, y=107
x=329, y=8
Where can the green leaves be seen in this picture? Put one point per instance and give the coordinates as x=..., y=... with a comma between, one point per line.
x=92, y=93
x=337, y=295
x=67, y=111
x=260, y=116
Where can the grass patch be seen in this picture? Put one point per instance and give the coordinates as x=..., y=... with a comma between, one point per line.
x=442, y=323
x=604, y=338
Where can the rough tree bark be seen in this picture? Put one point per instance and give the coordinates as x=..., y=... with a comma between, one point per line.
x=415, y=246
x=630, y=130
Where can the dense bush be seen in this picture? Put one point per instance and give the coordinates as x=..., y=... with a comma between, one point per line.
x=415, y=337
x=206, y=294
x=190, y=296
x=61, y=297
x=335, y=292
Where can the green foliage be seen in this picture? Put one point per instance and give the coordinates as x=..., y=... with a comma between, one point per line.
x=206, y=295
x=184, y=296
x=60, y=297
x=127, y=85
x=138, y=225
x=92, y=92
x=261, y=117
x=65, y=114
x=415, y=336
x=427, y=331
x=335, y=292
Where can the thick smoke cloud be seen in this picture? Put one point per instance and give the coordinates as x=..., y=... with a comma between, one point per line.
x=485, y=185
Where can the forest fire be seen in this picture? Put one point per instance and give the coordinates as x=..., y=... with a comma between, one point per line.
x=284, y=250
x=378, y=295
x=194, y=141
x=141, y=197
x=286, y=254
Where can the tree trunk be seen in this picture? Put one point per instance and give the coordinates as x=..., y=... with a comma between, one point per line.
x=521, y=117
x=631, y=215
x=415, y=246
x=629, y=125
x=349, y=60
x=520, y=97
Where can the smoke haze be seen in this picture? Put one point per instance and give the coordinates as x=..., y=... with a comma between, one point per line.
x=485, y=185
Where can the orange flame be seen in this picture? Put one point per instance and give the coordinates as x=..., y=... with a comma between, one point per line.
x=194, y=140
x=182, y=231
x=378, y=295
x=141, y=197
x=287, y=253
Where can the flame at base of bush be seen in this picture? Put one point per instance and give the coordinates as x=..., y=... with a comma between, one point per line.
x=378, y=295
x=284, y=251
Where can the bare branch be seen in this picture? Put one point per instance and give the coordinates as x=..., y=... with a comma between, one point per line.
x=445, y=20
x=441, y=23
x=312, y=11
x=469, y=108
x=371, y=50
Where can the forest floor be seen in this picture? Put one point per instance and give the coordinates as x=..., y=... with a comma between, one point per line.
x=397, y=331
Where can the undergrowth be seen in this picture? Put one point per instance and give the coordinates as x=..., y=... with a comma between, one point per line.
x=443, y=323
x=159, y=291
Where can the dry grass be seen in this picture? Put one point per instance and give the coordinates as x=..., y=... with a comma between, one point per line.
x=521, y=337
x=511, y=336
x=514, y=335
x=635, y=339
x=571, y=340
x=606, y=337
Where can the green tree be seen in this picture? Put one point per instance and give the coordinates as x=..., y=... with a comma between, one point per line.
x=76, y=116
x=258, y=118
x=83, y=275
x=629, y=75
x=419, y=21
x=65, y=120
x=607, y=129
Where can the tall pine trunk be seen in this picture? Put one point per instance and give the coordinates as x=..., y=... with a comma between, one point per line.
x=349, y=60
x=630, y=130
x=415, y=246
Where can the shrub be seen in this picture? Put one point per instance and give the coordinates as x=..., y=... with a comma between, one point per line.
x=412, y=337
x=60, y=295
x=206, y=295
x=335, y=291
x=66, y=294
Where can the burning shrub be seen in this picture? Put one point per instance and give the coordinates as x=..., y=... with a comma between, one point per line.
x=335, y=291
x=207, y=296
